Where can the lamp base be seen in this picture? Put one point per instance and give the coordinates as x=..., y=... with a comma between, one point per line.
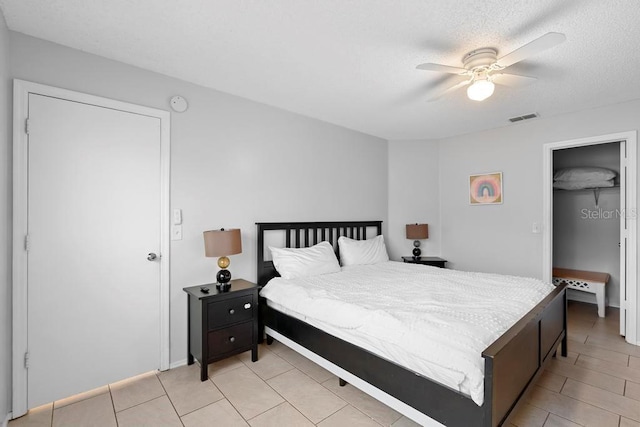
x=223, y=276
x=416, y=250
x=223, y=287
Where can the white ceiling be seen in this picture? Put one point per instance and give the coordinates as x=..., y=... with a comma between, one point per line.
x=352, y=62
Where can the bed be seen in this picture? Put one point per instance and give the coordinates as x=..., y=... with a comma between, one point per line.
x=511, y=362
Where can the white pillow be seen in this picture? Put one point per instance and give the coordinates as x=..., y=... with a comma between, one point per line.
x=301, y=262
x=355, y=252
x=588, y=173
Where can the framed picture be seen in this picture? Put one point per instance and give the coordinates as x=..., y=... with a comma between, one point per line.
x=485, y=189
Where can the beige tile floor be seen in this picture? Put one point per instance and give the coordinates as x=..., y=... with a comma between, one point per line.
x=597, y=385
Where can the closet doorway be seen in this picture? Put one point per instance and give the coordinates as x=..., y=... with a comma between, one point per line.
x=594, y=229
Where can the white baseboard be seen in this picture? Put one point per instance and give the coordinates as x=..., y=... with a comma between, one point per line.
x=5, y=423
x=177, y=364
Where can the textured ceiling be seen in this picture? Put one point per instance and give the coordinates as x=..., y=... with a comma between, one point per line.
x=352, y=62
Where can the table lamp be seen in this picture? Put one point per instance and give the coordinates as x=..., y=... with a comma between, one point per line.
x=222, y=243
x=417, y=232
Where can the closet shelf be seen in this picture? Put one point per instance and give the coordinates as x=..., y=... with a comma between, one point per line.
x=596, y=191
x=615, y=187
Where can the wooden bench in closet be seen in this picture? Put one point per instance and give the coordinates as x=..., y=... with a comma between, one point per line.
x=585, y=281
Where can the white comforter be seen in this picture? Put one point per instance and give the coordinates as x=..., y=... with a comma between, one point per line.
x=433, y=321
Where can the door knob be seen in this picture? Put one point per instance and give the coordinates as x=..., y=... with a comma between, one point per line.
x=152, y=257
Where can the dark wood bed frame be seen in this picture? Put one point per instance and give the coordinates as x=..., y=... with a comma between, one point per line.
x=512, y=362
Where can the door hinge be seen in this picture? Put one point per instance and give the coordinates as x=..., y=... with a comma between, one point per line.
x=26, y=360
x=26, y=243
x=26, y=126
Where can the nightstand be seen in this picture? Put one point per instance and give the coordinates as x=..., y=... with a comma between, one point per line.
x=222, y=324
x=426, y=260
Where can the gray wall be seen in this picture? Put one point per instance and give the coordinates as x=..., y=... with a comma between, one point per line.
x=234, y=162
x=5, y=222
x=496, y=238
x=499, y=238
x=586, y=237
x=414, y=195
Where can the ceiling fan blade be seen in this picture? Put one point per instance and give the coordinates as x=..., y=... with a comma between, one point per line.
x=455, y=87
x=543, y=43
x=513, y=80
x=441, y=68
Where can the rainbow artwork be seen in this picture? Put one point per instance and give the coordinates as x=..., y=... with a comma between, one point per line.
x=485, y=189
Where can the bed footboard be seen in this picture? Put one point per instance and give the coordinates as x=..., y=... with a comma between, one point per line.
x=515, y=359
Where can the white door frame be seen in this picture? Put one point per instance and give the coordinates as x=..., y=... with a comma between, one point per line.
x=631, y=142
x=21, y=91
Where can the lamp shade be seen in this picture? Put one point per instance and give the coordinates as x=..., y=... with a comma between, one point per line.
x=219, y=243
x=417, y=231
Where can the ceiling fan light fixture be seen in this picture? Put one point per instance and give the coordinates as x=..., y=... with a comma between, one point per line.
x=480, y=90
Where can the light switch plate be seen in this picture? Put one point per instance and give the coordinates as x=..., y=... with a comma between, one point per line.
x=176, y=232
x=177, y=216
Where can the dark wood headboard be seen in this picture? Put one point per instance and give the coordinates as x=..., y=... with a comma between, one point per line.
x=305, y=234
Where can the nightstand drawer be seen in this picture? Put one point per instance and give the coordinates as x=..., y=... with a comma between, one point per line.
x=229, y=339
x=230, y=311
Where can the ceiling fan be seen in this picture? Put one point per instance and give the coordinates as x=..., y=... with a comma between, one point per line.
x=483, y=67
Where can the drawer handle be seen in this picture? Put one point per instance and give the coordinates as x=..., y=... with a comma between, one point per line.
x=232, y=339
x=232, y=311
x=247, y=306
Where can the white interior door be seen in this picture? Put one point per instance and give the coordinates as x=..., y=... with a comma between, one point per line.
x=93, y=218
x=623, y=238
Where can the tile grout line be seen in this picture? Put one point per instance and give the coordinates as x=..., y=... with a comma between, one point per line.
x=532, y=403
x=344, y=400
x=280, y=404
x=115, y=414
x=598, y=370
x=351, y=404
x=263, y=412
x=568, y=419
x=166, y=393
x=602, y=348
x=591, y=404
x=210, y=376
x=368, y=416
x=626, y=353
x=138, y=404
x=546, y=418
x=197, y=409
x=267, y=379
x=286, y=400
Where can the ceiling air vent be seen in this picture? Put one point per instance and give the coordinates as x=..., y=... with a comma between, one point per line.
x=525, y=117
